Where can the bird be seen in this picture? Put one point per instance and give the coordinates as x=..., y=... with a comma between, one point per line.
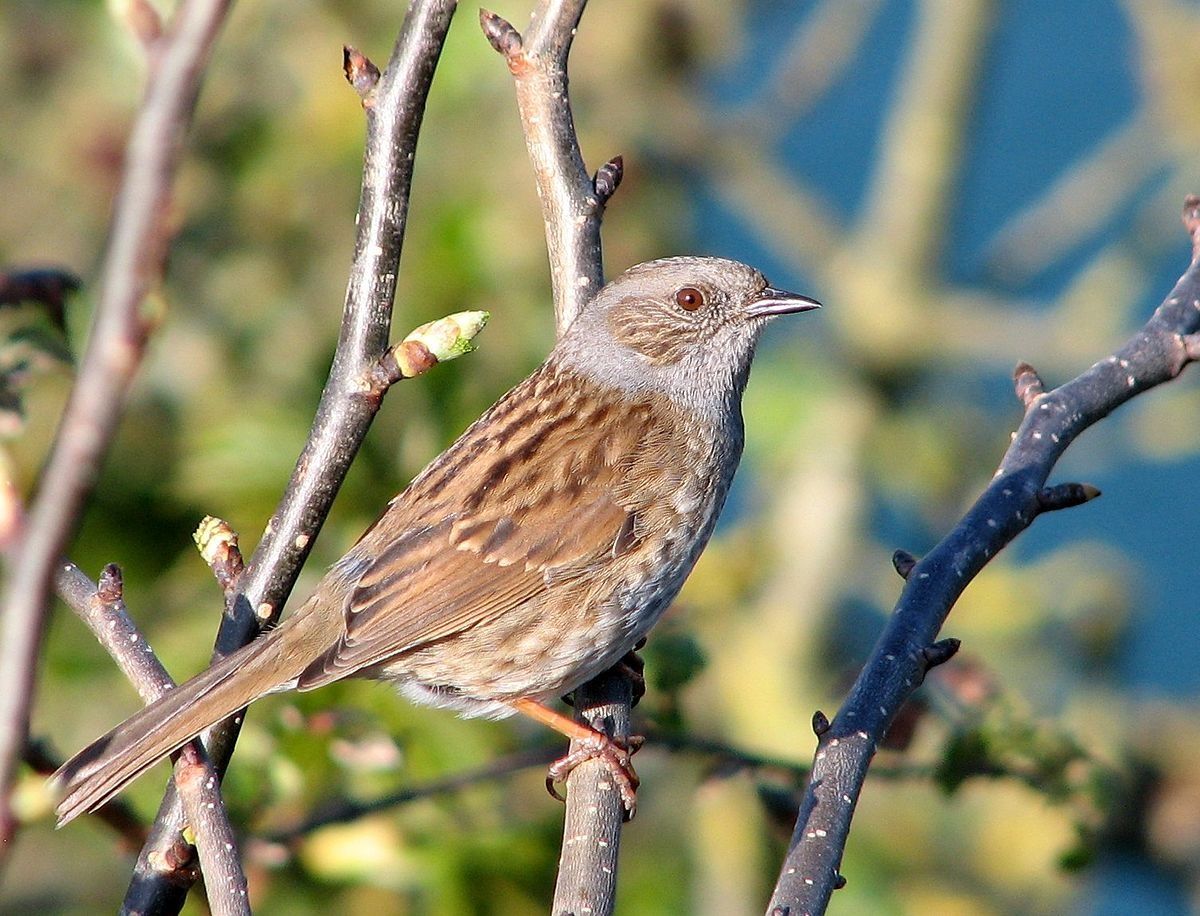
x=535, y=552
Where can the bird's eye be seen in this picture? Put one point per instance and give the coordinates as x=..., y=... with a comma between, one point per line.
x=689, y=298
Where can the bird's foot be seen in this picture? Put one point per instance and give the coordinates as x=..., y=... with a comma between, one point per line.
x=616, y=756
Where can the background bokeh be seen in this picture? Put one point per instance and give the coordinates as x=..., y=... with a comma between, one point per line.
x=964, y=183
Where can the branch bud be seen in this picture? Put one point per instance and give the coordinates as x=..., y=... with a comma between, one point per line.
x=438, y=341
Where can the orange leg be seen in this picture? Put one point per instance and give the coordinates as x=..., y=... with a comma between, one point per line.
x=593, y=744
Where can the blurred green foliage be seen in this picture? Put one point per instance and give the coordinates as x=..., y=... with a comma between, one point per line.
x=869, y=412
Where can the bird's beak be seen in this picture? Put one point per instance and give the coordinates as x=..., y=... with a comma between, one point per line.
x=771, y=301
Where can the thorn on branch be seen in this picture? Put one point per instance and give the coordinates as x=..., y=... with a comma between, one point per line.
x=608, y=179
x=820, y=723
x=500, y=34
x=1028, y=384
x=360, y=73
x=1065, y=496
x=218, y=544
x=839, y=881
x=904, y=563
x=940, y=652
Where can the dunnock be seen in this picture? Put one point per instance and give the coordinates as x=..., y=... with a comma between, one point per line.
x=534, y=552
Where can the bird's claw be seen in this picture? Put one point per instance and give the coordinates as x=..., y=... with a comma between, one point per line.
x=617, y=757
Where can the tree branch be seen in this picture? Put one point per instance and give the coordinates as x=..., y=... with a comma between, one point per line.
x=573, y=205
x=348, y=405
x=571, y=208
x=1016, y=496
x=134, y=261
x=344, y=810
x=587, y=864
x=116, y=814
x=102, y=607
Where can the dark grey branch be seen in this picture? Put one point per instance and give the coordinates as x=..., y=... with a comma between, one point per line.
x=116, y=814
x=134, y=261
x=344, y=414
x=343, y=811
x=1016, y=496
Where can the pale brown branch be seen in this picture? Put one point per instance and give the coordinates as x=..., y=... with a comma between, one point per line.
x=587, y=864
x=573, y=205
x=571, y=208
x=102, y=607
x=134, y=262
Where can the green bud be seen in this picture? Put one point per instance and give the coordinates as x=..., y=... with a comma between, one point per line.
x=451, y=336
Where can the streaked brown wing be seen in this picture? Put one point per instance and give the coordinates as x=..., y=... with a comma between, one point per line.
x=524, y=500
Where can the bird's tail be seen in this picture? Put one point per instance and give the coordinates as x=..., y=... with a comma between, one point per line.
x=108, y=764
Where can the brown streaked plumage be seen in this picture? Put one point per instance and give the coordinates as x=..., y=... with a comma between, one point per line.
x=535, y=551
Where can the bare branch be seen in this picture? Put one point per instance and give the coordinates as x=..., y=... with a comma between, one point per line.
x=343, y=811
x=571, y=208
x=573, y=205
x=134, y=261
x=587, y=865
x=116, y=814
x=102, y=607
x=1015, y=497
x=344, y=413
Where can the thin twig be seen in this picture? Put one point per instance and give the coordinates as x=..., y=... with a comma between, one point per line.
x=102, y=607
x=116, y=814
x=134, y=261
x=1155, y=354
x=347, y=407
x=571, y=208
x=343, y=810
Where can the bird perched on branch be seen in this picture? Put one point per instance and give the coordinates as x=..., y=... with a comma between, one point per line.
x=536, y=551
